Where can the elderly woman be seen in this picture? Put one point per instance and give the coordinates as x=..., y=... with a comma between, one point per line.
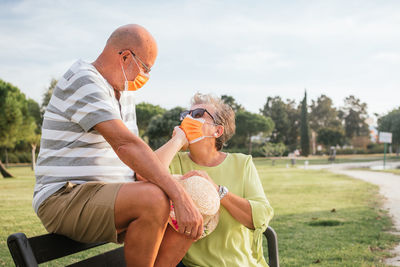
x=245, y=210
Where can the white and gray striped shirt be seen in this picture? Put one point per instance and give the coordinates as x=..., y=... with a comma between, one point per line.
x=70, y=149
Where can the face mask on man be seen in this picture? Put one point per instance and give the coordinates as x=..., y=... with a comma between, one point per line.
x=193, y=129
x=139, y=81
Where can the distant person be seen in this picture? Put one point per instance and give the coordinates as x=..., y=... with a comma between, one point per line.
x=245, y=211
x=90, y=150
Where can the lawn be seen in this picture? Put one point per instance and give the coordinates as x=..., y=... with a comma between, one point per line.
x=321, y=218
x=326, y=219
x=17, y=215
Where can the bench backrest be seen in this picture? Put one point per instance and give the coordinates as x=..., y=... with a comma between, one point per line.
x=30, y=252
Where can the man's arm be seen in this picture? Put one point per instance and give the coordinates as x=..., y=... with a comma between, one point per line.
x=139, y=157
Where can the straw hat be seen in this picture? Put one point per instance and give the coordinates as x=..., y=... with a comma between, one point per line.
x=205, y=197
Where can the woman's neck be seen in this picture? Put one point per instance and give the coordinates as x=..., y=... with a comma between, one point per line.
x=206, y=157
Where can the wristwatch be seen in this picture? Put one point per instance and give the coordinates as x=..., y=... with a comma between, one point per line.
x=222, y=191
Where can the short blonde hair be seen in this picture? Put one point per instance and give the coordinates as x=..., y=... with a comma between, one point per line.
x=224, y=115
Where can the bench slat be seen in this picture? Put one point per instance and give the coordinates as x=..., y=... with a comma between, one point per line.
x=45, y=247
x=52, y=246
x=113, y=257
x=35, y=250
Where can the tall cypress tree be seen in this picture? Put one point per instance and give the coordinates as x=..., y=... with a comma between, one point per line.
x=304, y=137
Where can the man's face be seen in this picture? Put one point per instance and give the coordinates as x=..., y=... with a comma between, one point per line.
x=136, y=72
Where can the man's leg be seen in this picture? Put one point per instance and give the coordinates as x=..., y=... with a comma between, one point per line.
x=141, y=210
x=173, y=247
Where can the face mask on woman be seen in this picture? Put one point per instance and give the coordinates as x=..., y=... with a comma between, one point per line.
x=193, y=129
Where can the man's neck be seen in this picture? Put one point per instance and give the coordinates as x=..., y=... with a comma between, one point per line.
x=102, y=70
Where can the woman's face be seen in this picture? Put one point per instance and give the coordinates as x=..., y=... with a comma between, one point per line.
x=209, y=127
x=206, y=116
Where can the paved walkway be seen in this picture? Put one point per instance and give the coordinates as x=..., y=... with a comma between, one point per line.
x=388, y=183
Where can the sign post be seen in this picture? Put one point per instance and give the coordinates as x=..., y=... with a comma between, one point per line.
x=386, y=138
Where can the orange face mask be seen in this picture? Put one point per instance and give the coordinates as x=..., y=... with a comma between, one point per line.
x=193, y=129
x=139, y=81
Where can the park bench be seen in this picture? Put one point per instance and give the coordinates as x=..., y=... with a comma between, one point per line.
x=29, y=252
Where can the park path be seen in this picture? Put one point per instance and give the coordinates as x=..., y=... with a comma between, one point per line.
x=389, y=187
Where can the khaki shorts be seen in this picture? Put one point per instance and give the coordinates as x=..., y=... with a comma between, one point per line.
x=82, y=212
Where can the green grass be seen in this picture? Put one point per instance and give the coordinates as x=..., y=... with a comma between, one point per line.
x=326, y=219
x=17, y=215
x=303, y=200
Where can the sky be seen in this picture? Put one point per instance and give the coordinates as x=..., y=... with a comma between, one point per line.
x=247, y=49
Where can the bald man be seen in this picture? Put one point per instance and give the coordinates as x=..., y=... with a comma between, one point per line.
x=90, y=149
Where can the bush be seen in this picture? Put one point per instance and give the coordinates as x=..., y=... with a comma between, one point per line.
x=24, y=157
x=375, y=148
x=370, y=149
x=349, y=151
x=17, y=157
x=12, y=158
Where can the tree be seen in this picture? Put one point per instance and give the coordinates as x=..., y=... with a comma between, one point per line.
x=250, y=124
x=144, y=113
x=32, y=137
x=271, y=149
x=304, y=132
x=17, y=123
x=275, y=108
x=294, y=119
x=11, y=119
x=391, y=123
x=161, y=127
x=330, y=137
x=35, y=112
x=323, y=114
x=34, y=131
x=229, y=100
x=354, y=114
x=47, y=95
x=286, y=119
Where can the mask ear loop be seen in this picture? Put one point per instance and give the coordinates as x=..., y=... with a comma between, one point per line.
x=123, y=71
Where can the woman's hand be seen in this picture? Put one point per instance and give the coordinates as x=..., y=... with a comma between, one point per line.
x=238, y=207
x=202, y=174
x=179, y=134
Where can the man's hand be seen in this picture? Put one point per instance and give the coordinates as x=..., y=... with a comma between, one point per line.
x=190, y=221
x=202, y=174
x=180, y=134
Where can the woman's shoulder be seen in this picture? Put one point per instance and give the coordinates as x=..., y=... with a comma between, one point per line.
x=180, y=157
x=240, y=158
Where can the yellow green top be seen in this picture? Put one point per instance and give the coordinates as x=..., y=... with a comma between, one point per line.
x=231, y=244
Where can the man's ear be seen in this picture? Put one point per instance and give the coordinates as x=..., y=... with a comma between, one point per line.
x=125, y=54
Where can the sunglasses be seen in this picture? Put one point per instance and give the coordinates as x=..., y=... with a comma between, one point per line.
x=196, y=113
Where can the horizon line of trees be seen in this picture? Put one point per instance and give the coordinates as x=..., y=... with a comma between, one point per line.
x=280, y=127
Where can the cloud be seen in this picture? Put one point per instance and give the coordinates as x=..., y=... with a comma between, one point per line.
x=246, y=50
x=389, y=57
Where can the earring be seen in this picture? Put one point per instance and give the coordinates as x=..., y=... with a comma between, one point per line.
x=215, y=134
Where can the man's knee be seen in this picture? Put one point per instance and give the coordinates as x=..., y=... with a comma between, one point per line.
x=144, y=200
x=157, y=201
